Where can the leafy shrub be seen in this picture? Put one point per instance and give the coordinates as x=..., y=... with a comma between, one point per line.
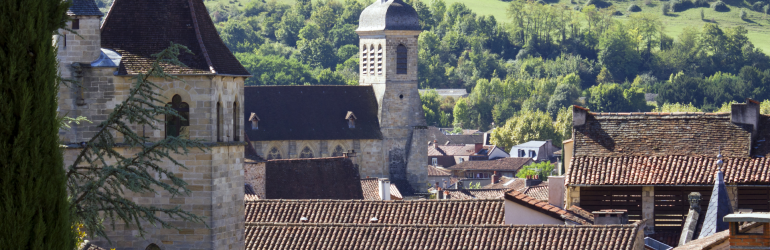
x=720, y=6
x=664, y=8
x=680, y=5
x=743, y=15
x=598, y=3
x=700, y=3
x=617, y=13
x=541, y=2
x=758, y=6
x=634, y=8
x=648, y=2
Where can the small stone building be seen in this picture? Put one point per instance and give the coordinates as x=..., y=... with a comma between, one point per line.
x=104, y=58
x=381, y=120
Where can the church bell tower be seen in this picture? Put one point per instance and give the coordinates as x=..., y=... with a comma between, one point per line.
x=388, y=32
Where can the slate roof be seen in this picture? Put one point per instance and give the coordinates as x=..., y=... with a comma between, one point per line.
x=500, y=164
x=84, y=8
x=434, y=171
x=371, y=190
x=434, y=133
x=665, y=170
x=547, y=209
x=660, y=134
x=136, y=29
x=311, y=112
x=315, y=178
x=719, y=207
x=389, y=15
x=467, y=194
x=389, y=236
x=426, y=212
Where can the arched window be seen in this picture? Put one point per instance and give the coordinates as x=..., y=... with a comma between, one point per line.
x=338, y=151
x=152, y=247
x=219, y=121
x=371, y=59
x=306, y=153
x=274, y=154
x=236, y=133
x=175, y=125
x=401, y=62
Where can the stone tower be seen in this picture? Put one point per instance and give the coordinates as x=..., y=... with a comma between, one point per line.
x=388, y=31
x=208, y=93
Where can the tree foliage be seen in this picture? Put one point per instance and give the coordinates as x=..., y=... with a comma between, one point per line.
x=34, y=210
x=541, y=169
x=524, y=127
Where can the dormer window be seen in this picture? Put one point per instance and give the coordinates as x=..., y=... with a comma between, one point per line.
x=351, y=119
x=254, y=121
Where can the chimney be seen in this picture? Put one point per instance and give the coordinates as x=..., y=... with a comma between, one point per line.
x=532, y=181
x=486, y=139
x=446, y=195
x=579, y=115
x=435, y=144
x=459, y=185
x=610, y=217
x=757, y=238
x=495, y=178
x=746, y=113
x=556, y=191
x=478, y=147
x=384, y=189
x=439, y=193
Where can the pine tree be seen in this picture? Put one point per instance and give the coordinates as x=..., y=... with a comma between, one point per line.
x=34, y=210
x=97, y=178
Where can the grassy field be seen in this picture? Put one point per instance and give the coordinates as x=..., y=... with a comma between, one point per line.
x=757, y=24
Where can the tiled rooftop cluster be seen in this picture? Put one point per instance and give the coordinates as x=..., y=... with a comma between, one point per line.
x=665, y=170
x=539, y=191
x=371, y=189
x=465, y=194
x=512, y=164
x=435, y=171
x=579, y=217
x=428, y=212
x=452, y=150
x=659, y=134
x=390, y=236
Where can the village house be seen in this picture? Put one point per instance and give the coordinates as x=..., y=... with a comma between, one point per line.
x=648, y=163
x=537, y=150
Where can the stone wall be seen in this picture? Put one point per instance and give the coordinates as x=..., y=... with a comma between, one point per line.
x=216, y=181
x=368, y=152
x=83, y=47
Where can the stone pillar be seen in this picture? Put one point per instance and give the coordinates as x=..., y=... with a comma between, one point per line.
x=573, y=197
x=648, y=208
x=732, y=193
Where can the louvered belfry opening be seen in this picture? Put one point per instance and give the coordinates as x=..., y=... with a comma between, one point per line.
x=622, y=198
x=755, y=198
x=401, y=59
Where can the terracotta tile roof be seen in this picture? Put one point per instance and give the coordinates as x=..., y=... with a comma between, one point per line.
x=389, y=236
x=294, y=113
x=84, y=8
x=467, y=194
x=501, y=164
x=429, y=212
x=136, y=29
x=539, y=191
x=715, y=239
x=545, y=208
x=371, y=189
x=452, y=150
x=665, y=170
x=315, y=178
x=582, y=213
x=436, y=171
x=648, y=134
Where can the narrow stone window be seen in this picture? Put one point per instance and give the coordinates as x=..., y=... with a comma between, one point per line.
x=235, y=122
x=254, y=121
x=174, y=124
x=306, y=153
x=371, y=59
x=274, y=154
x=338, y=151
x=75, y=24
x=379, y=59
x=219, y=121
x=401, y=59
x=364, y=56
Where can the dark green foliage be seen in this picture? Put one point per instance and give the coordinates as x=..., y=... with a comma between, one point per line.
x=700, y=3
x=100, y=173
x=680, y=5
x=720, y=6
x=608, y=98
x=634, y=8
x=664, y=8
x=542, y=170
x=743, y=15
x=757, y=6
x=598, y=3
x=34, y=211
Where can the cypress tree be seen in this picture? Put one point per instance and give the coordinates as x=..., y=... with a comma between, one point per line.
x=34, y=211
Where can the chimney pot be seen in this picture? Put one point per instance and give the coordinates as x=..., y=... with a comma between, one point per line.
x=384, y=184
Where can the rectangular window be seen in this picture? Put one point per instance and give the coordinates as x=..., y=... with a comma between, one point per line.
x=435, y=161
x=75, y=24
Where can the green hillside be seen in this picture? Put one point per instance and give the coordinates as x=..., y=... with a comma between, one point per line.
x=757, y=23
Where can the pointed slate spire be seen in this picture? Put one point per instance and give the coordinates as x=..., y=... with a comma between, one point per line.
x=719, y=206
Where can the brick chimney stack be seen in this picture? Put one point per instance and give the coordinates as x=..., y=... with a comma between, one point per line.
x=495, y=177
x=478, y=147
x=435, y=144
